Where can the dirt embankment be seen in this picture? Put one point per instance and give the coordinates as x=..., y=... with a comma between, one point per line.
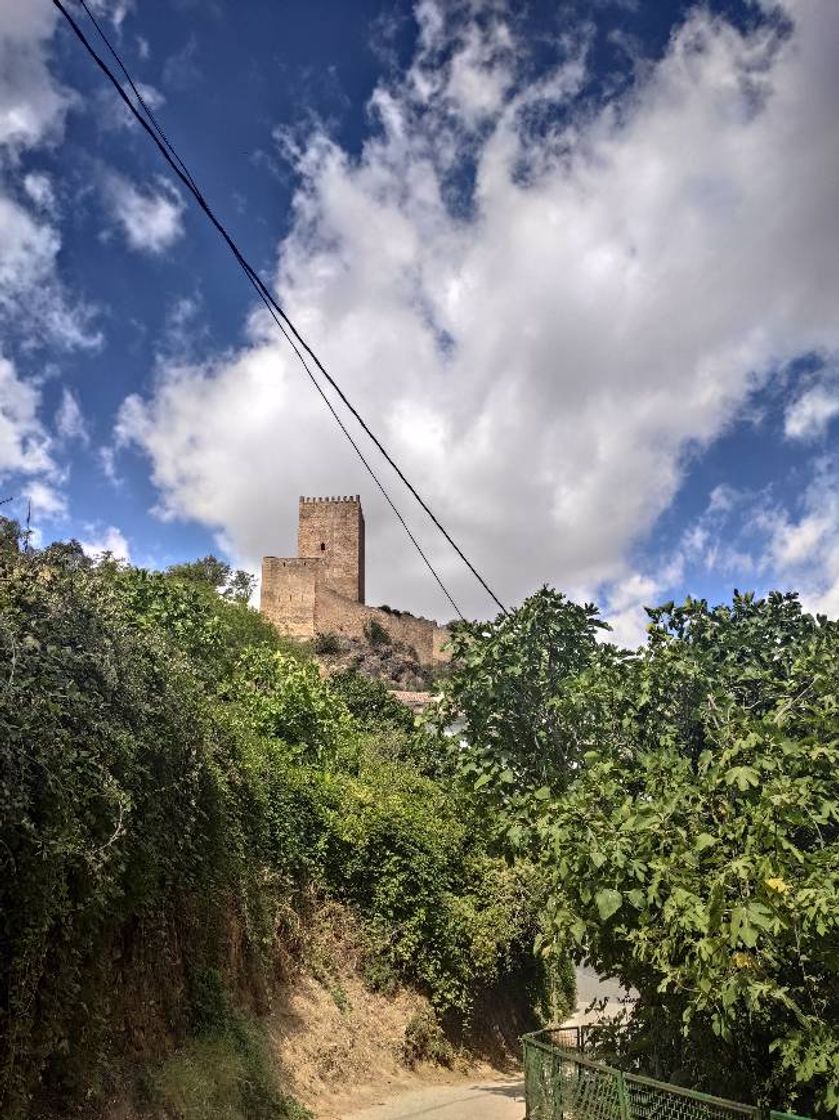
x=340, y=1046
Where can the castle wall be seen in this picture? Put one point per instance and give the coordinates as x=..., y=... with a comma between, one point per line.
x=288, y=594
x=322, y=589
x=331, y=530
x=335, y=613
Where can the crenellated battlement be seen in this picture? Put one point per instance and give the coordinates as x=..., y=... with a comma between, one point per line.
x=355, y=499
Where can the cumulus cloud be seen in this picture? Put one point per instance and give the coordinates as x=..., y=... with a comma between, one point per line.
x=69, y=420
x=35, y=308
x=108, y=539
x=539, y=352
x=810, y=415
x=151, y=218
x=624, y=609
x=24, y=443
x=39, y=188
x=33, y=301
x=46, y=502
x=113, y=10
x=804, y=548
x=32, y=104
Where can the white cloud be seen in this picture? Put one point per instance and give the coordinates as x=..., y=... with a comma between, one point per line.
x=539, y=361
x=113, y=10
x=32, y=299
x=32, y=110
x=809, y=417
x=46, y=502
x=32, y=104
x=109, y=539
x=804, y=549
x=38, y=186
x=24, y=444
x=624, y=609
x=151, y=219
x=107, y=460
x=69, y=420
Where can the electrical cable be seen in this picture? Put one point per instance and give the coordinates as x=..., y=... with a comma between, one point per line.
x=194, y=186
x=290, y=331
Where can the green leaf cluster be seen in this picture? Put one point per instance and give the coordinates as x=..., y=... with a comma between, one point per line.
x=689, y=826
x=176, y=782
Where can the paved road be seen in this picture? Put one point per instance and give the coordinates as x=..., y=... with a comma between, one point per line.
x=488, y=1100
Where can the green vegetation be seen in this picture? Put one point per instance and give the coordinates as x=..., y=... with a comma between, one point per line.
x=327, y=643
x=683, y=803
x=370, y=702
x=376, y=634
x=176, y=784
x=223, y=1071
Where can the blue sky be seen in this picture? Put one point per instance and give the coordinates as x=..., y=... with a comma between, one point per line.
x=577, y=264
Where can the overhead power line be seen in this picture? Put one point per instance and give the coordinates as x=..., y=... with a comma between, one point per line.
x=195, y=190
x=289, y=330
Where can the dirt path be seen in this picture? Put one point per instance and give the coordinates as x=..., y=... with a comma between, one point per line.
x=484, y=1100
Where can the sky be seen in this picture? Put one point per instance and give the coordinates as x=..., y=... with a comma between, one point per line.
x=577, y=264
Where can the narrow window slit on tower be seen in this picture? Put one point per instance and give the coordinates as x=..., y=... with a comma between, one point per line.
x=322, y=547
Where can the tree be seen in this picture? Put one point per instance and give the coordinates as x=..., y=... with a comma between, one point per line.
x=696, y=854
x=211, y=572
x=511, y=688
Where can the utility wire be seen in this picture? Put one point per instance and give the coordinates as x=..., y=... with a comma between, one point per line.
x=253, y=280
x=360, y=454
x=140, y=99
x=289, y=330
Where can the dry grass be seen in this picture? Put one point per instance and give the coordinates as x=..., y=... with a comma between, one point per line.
x=338, y=1044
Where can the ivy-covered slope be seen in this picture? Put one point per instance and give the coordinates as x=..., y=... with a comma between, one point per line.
x=176, y=784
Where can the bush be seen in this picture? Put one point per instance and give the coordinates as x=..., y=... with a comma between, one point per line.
x=170, y=772
x=693, y=849
x=370, y=702
x=327, y=643
x=109, y=802
x=425, y=1040
x=279, y=697
x=376, y=634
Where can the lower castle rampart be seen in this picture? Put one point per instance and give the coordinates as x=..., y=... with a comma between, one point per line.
x=342, y=616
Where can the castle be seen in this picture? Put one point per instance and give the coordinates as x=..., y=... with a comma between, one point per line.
x=321, y=590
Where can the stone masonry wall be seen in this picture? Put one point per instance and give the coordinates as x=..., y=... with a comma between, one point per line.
x=332, y=531
x=322, y=589
x=288, y=594
x=342, y=616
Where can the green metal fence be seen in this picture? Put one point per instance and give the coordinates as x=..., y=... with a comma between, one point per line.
x=563, y=1083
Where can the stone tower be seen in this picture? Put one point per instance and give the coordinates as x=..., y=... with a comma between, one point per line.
x=331, y=530
x=321, y=589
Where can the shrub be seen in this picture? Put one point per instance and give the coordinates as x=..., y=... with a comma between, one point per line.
x=425, y=1040
x=370, y=702
x=327, y=643
x=109, y=805
x=279, y=697
x=695, y=853
x=169, y=770
x=376, y=634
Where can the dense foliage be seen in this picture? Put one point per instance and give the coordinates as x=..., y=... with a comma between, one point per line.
x=509, y=691
x=690, y=830
x=176, y=781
